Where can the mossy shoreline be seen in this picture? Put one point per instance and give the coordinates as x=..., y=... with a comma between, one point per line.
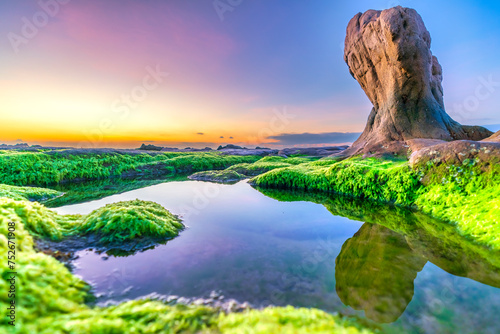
x=52, y=300
x=49, y=168
x=466, y=196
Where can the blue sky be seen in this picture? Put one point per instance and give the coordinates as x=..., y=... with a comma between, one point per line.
x=226, y=77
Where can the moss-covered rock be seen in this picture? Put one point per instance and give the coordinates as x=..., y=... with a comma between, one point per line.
x=116, y=223
x=267, y=164
x=126, y=221
x=218, y=176
x=27, y=193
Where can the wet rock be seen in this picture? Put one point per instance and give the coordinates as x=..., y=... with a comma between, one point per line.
x=388, y=53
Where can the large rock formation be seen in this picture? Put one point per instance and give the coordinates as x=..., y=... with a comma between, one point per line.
x=388, y=53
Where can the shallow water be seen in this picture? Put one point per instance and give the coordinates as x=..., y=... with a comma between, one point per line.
x=258, y=249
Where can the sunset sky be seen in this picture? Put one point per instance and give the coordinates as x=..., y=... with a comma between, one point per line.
x=182, y=73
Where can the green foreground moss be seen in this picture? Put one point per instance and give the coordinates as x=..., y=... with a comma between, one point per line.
x=468, y=196
x=52, y=300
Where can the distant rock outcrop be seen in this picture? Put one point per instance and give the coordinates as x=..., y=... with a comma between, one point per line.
x=150, y=147
x=388, y=53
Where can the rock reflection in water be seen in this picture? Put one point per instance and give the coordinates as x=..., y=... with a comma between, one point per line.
x=376, y=268
x=375, y=271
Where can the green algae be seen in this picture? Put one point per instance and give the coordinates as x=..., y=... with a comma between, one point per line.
x=126, y=221
x=52, y=300
x=42, y=168
x=28, y=193
x=113, y=223
x=218, y=176
x=43, y=285
x=287, y=320
x=267, y=164
x=388, y=181
x=466, y=196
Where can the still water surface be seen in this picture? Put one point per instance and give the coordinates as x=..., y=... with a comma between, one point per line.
x=258, y=249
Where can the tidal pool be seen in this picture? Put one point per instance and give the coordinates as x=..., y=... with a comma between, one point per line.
x=400, y=269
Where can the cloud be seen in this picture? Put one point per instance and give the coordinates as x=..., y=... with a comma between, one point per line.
x=315, y=138
x=221, y=137
x=231, y=138
x=200, y=133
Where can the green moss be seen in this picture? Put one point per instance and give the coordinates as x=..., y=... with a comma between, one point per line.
x=268, y=163
x=219, y=176
x=125, y=221
x=139, y=316
x=27, y=193
x=37, y=219
x=43, y=285
x=51, y=300
x=286, y=320
x=23, y=168
x=466, y=196
x=117, y=222
x=373, y=179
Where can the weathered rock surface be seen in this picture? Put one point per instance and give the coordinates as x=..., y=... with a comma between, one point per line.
x=456, y=152
x=494, y=138
x=388, y=53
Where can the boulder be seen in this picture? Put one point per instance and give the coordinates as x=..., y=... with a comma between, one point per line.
x=388, y=53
